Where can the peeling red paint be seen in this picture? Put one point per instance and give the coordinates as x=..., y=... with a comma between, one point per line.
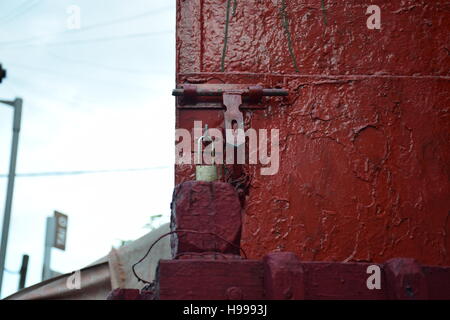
x=364, y=134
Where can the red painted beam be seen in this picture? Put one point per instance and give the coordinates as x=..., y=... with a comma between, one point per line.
x=210, y=280
x=281, y=276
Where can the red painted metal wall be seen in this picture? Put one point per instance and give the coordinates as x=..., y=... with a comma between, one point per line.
x=364, y=134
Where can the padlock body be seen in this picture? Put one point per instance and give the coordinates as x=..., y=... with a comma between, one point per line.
x=206, y=173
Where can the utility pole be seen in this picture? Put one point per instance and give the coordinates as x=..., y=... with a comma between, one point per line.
x=23, y=271
x=17, y=105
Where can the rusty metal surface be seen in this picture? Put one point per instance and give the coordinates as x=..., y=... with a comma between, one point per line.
x=365, y=131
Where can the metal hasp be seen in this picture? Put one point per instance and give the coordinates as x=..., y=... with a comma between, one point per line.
x=231, y=96
x=254, y=92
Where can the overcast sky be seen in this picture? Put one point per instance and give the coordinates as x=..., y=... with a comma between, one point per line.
x=95, y=98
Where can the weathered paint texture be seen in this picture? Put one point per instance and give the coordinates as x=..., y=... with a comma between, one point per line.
x=211, y=271
x=364, y=134
x=282, y=276
x=212, y=212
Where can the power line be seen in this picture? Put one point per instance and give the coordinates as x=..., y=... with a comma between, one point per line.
x=101, y=66
x=82, y=172
x=45, y=92
x=96, y=40
x=56, y=73
x=10, y=271
x=27, y=6
x=14, y=11
x=90, y=27
x=41, y=92
x=17, y=10
x=104, y=66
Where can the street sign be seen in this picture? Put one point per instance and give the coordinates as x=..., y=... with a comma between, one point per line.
x=60, y=230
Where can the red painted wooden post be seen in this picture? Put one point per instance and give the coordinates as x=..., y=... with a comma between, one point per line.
x=202, y=279
x=405, y=279
x=364, y=132
x=283, y=276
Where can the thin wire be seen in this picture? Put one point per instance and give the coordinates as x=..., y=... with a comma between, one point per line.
x=107, y=82
x=39, y=92
x=95, y=40
x=10, y=271
x=101, y=66
x=20, y=13
x=14, y=11
x=133, y=267
x=81, y=172
x=90, y=27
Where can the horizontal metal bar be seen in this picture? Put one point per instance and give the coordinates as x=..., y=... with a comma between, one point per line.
x=216, y=93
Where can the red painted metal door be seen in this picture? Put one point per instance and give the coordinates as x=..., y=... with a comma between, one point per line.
x=364, y=133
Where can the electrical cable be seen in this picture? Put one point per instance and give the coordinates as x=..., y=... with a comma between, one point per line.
x=39, y=93
x=56, y=73
x=96, y=40
x=27, y=7
x=133, y=267
x=101, y=66
x=86, y=28
x=82, y=172
x=10, y=271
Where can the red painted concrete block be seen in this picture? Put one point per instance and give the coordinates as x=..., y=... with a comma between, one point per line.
x=206, y=217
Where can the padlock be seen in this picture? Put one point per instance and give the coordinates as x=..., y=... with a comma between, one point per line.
x=206, y=172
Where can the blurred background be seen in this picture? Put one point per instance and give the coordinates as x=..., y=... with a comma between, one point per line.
x=96, y=141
